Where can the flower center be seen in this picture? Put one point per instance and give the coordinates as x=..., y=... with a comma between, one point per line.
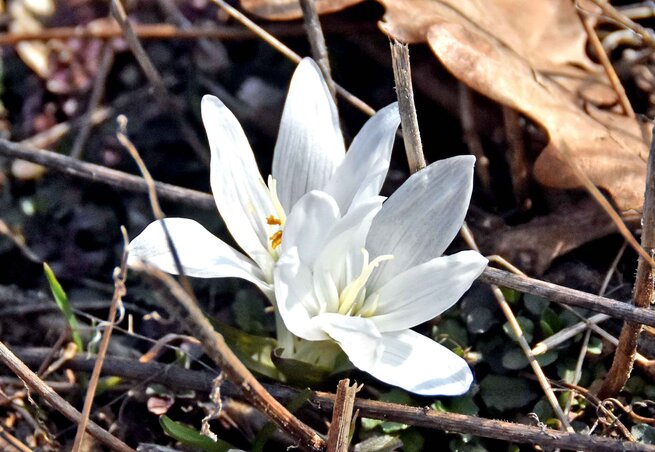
x=275, y=220
x=352, y=299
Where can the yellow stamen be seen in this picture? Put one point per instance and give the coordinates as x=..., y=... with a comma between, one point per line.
x=276, y=239
x=355, y=292
x=271, y=220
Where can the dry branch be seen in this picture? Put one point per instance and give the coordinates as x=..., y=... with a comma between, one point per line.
x=36, y=384
x=98, y=173
x=177, y=377
x=626, y=351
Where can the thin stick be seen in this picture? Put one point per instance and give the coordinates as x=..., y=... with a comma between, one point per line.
x=643, y=293
x=161, y=93
x=402, y=74
x=342, y=414
x=607, y=65
x=120, y=274
x=178, y=377
x=523, y=343
x=106, y=62
x=609, y=10
x=516, y=158
x=317, y=41
x=290, y=54
x=471, y=137
x=568, y=296
x=61, y=405
x=98, y=173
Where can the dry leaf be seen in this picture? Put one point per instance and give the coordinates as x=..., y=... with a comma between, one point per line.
x=290, y=9
x=607, y=146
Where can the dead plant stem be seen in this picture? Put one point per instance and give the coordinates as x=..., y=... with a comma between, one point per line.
x=626, y=351
x=317, y=42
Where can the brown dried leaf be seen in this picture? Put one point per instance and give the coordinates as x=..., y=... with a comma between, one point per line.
x=608, y=147
x=546, y=33
x=290, y=9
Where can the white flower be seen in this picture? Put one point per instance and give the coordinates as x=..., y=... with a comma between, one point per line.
x=364, y=277
x=309, y=154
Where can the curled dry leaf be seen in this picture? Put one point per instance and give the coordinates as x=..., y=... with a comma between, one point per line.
x=610, y=148
x=290, y=9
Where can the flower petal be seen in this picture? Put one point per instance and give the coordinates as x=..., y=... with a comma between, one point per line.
x=357, y=336
x=425, y=291
x=363, y=170
x=418, y=222
x=239, y=190
x=309, y=145
x=418, y=364
x=294, y=293
x=202, y=254
x=308, y=224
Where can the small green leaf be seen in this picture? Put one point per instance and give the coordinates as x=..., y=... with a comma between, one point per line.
x=504, y=393
x=595, y=346
x=451, y=333
x=412, y=440
x=536, y=305
x=64, y=305
x=527, y=326
x=192, y=437
x=551, y=318
x=464, y=405
x=514, y=359
x=248, y=313
x=511, y=295
x=299, y=372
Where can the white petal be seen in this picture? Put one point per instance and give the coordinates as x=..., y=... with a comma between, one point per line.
x=357, y=336
x=202, y=254
x=308, y=224
x=309, y=145
x=418, y=222
x=365, y=167
x=340, y=260
x=239, y=190
x=425, y=291
x=294, y=293
x=418, y=364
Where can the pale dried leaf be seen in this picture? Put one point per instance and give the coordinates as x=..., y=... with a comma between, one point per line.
x=608, y=147
x=290, y=9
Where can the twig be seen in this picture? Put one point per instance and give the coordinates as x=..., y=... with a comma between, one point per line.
x=523, y=343
x=607, y=64
x=568, y=296
x=317, y=41
x=161, y=93
x=342, y=414
x=402, y=74
x=106, y=62
x=290, y=54
x=609, y=10
x=643, y=293
x=516, y=158
x=178, y=377
x=98, y=173
x=471, y=137
x=120, y=274
x=61, y=405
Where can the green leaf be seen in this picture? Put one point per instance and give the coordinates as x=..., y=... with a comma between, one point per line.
x=514, y=359
x=298, y=372
x=511, y=295
x=464, y=405
x=192, y=437
x=248, y=312
x=253, y=351
x=505, y=393
x=412, y=440
x=64, y=305
x=536, y=305
x=527, y=326
x=595, y=346
x=643, y=433
x=451, y=333
x=551, y=318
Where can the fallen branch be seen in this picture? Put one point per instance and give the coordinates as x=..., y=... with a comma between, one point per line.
x=178, y=377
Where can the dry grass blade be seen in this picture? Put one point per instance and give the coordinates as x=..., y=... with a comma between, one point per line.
x=120, y=274
x=342, y=417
